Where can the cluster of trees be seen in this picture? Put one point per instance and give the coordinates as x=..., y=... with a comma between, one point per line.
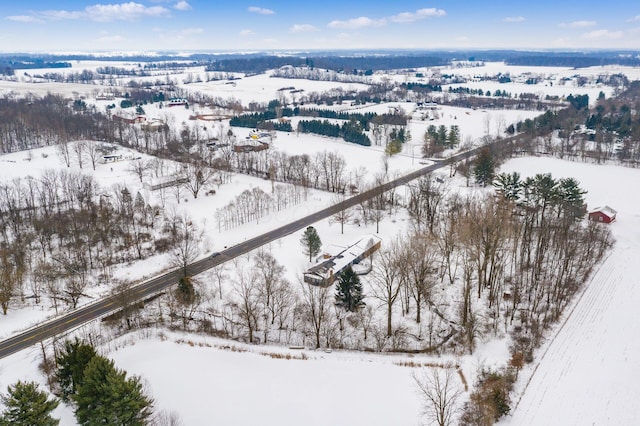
x=60, y=230
x=100, y=392
x=317, y=74
x=252, y=204
x=612, y=129
x=437, y=139
x=479, y=92
x=350, y=131
x=325, y=170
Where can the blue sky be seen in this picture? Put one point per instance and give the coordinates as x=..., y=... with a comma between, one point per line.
x=185, y=25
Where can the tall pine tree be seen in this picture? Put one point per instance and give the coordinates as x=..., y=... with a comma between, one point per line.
x=311, y=242
x=484, y=167
x=26, y=405
x=349, y=291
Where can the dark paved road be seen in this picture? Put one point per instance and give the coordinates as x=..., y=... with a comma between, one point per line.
x=102, y=307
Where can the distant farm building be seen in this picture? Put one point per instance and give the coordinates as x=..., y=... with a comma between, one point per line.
x=105, y=96
x=165, y=182
x=130, y=120
x=178, y=101
x=603, y=214
x=256, y=141
x=114, y=158
x=324, y=272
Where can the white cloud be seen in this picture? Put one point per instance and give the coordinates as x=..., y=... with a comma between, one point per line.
x=24, y=18
x=404, y=17
x=357, y=23
x=261, y=10
x=578, y=24
x=514, y=19
x=417, y=15
x=182, y=5
x=603, y=35
x=123, y=12
x=302, y=28
x=635, y=19
x=56, y=15
x=106, y=12
x=245, y=33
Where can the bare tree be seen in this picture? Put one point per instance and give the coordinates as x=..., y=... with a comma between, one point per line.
x=387, y=279
x=248, y=306
x=440, y=393
x=64, y=152
x=166, y=418
x=315, y=303
x=79, y=148
x=343, y=216
x=188, y=238
x=199, y=175
x=93, y=151
x=139, y=167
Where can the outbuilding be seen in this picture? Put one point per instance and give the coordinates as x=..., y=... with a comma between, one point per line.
x=603, y=214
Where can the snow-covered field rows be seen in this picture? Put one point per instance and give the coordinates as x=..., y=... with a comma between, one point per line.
x=587, y=372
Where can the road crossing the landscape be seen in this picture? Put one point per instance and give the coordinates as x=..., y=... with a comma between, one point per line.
x=142, y=291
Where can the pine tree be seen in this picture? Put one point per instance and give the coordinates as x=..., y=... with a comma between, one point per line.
x=571, y=198
x=106, y=396
x=26, y=405
x=349, y=291
x=71, y=362
x=484, y=168
x=311, y=242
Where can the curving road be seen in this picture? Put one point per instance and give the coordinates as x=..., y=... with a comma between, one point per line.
x=107, y=305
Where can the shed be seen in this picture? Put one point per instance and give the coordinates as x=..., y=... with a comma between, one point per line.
x=603, y=214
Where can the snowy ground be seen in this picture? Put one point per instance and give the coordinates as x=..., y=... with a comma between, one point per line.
x=587, y=372
x=585, y=367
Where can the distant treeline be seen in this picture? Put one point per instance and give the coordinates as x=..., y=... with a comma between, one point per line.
x=9, y=65
x=357, y=61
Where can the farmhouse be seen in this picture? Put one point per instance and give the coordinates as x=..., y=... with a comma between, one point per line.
x=323, y=273
x=603, y=214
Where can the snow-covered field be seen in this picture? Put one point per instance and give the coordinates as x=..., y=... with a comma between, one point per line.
x=587, y=372
x=581, y=376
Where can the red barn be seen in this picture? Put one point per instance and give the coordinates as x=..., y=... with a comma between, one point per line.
x=603, y=214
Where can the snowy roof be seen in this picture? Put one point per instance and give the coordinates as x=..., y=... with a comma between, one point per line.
x=606, y=210
x=336, y=263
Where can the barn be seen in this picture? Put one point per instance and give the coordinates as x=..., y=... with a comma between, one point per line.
x=603, y=214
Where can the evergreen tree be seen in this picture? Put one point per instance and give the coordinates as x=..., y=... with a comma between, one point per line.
x=453, y=138
x=26, y=405
x=107, y=397
x=484, y=168
x=71, y=362
x=349, y=291
x=311, y=242
x=509, y=185
x=186, y=292
x=571, y=196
